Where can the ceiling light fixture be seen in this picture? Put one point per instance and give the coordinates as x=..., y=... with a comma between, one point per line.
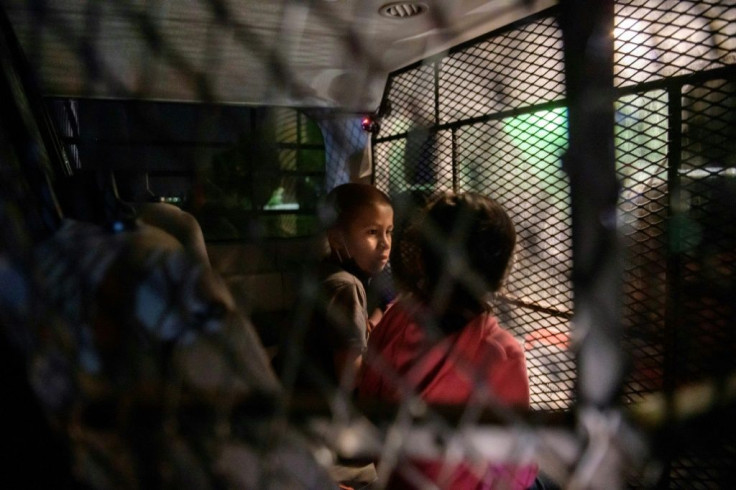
x=402, y=10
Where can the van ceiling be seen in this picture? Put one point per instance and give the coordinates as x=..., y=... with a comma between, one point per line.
x=302, y=53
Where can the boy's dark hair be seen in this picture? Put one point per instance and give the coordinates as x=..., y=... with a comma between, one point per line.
x=344, y=201
x=466, y=243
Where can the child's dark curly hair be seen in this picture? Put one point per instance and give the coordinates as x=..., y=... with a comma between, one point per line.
x=465, y=245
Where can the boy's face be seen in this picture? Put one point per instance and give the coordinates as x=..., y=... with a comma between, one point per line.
x=368, y=237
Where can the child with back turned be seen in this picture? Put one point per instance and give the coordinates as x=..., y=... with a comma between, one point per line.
x=440, y=341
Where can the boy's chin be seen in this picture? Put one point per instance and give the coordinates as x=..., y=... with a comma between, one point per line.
x=372, y=270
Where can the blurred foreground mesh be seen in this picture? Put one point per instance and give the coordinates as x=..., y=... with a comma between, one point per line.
x=491, y=116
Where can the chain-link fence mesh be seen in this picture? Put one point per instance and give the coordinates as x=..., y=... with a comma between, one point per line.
x=489, y=116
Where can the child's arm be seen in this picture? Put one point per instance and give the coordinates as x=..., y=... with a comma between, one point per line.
x=349, y=326
x=348, y=363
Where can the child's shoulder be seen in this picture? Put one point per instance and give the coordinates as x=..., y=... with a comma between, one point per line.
x=330, y=271
x=334, y=277
x=499, y=336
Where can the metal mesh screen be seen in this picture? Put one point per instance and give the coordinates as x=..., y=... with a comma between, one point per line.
x=527, y=180
x=659, y=39
x=519, y=68
x=675, y=148
x=501, y=101
x=514, y=158
x=418, y=162
x=706, y=235
x=641, y=143
x=412, y=100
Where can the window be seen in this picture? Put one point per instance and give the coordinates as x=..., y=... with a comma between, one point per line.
x=268, y=183
x=246, y=173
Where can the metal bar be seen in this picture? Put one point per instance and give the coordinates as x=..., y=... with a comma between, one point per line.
x=587, y=31
x=674, y=269
x=677, y=81
x=497, y=116
x=436, y=71
x=674, y=264
x=535, y=307
x=453, y=133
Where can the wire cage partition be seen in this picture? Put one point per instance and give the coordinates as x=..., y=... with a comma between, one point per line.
x=606, y=129
x=495, y=115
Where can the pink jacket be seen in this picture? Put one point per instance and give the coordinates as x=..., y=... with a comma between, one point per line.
x=454, y=369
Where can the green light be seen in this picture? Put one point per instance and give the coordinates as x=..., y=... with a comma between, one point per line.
x=542, y=132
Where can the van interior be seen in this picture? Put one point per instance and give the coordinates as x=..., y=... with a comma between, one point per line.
x=606, y=129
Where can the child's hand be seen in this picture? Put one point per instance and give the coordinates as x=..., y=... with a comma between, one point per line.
x=373, y=320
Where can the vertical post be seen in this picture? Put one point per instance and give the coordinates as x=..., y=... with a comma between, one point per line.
x=453, y=134
x=436, y=74
x=673, y=309
x=587, y=30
